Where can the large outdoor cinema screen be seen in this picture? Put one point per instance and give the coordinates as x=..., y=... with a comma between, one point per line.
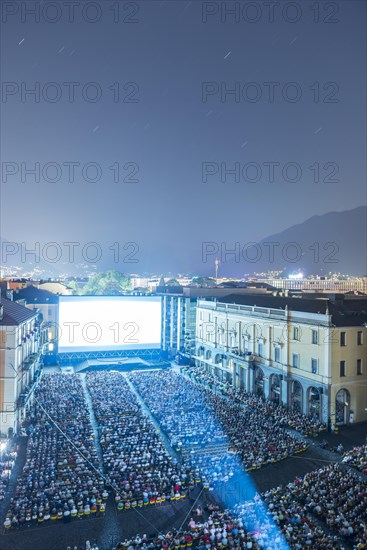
x=103, y=323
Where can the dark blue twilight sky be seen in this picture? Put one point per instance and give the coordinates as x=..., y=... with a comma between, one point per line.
x=170, y=50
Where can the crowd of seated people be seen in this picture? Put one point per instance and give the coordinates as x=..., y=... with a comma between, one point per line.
x=292, y=418
x=136, y=462
x=256, y=437
x=287, y=524
x=339, y=497
x=220, y=530
x=332, y=497
x=189, y=413
x=306, y=425
x=60, y=478
x=189, y=423
x=357, y=458
x=324, y=510
x=7, y=460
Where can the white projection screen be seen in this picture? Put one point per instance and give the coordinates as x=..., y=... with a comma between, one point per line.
x=103, y=323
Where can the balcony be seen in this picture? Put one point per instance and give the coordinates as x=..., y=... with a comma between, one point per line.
x=21, y=400
x=238, y=353
x=26, y=365
x=26, y=393
x=30, y=361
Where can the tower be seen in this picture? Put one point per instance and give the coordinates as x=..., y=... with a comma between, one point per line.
x=216, y=263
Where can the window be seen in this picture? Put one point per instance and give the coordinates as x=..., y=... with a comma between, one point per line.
x=314, y=366
x=277, y=354
x=261, y=350
x=359, y=367
x=342, y=368
x=315, y=337
x=359, y=338
x=295, y=360
x=295, y=333
x=342, y=339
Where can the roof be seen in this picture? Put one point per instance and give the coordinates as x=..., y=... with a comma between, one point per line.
x=34, y=295
x=343, y=311
x=3, y=287
x=14, y=314
x=169, y=289
x=245, y=284
x=54, y=284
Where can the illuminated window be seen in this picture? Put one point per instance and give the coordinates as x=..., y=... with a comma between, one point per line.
x=314, y=366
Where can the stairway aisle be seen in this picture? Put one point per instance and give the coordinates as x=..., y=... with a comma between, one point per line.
x=155, y=423
x=94, y=422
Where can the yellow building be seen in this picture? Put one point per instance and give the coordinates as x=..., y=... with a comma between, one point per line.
x=20, y=354
x=47, y=306
x=308, y=354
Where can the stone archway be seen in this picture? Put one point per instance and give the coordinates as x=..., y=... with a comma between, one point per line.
x=218, y=373
x=275, y=389
x=259, y=382
x=297, y=396
x=218, y=360
x=313, y=402
x=200, y=351
x=342, y=406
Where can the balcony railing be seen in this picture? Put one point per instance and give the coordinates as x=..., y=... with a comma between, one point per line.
x=30, y=361
x=26, y=393
x=26, y=365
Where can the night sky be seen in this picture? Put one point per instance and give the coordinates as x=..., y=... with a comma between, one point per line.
x=167, y=122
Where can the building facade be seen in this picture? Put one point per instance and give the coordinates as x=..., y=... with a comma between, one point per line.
x=178, y=324
x=46, y=304
x=20, y=363
x=310, y=355
x=179, y=314
x=320, y=284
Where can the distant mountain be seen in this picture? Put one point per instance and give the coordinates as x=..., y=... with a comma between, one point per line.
x=31, y=260
x=336, y=242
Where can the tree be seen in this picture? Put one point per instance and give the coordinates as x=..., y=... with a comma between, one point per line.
x=74, y=287
x=203, y=281
x=172, y=282
x=109, y=283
